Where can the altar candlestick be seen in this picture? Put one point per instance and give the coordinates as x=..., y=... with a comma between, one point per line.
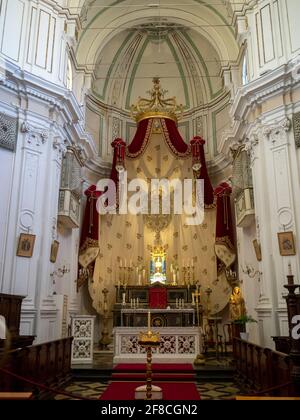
x=149, y=321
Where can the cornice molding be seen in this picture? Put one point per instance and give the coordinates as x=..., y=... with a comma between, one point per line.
x=279, y=81
x=58, y=99
x=96, y=104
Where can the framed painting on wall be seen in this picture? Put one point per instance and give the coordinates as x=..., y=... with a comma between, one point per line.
x=286, y=243
x=26, y=245
x=54, y=251
x=257, y=249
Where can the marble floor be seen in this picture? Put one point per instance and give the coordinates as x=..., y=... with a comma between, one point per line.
x=103, y=361
x=207, y=391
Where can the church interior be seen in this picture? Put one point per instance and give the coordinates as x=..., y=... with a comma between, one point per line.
x=149, y=166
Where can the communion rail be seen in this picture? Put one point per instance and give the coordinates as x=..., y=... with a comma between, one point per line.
x=48, y=363
x=262, y=371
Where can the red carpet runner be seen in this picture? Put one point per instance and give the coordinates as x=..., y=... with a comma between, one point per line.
x=176, y=380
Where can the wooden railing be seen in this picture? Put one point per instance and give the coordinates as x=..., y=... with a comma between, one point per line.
x=47, y=363
x=261, y=370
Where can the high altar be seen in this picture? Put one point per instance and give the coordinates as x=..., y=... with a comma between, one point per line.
x=158, y=262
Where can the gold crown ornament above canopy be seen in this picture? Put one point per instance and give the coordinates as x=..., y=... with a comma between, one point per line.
x=157, y=106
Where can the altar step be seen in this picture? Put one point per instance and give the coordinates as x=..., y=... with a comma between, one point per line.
x=201, y=374
x=215, y=374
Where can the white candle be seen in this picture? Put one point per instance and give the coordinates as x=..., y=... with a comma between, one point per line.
x=290, y=269
x=193, y=298
x=140, y=279
x=121, y=263
x=149, y=321
x=124, y=298
x=125, y=264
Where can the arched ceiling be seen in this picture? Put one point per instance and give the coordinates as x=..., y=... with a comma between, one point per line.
x=189, y=67
x=124, y=43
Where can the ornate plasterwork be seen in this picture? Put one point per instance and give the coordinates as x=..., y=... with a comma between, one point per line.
x=35, y=137
x=116, y=128
x=169, y=344
x=277, y=133
x=296, y=126
x=251, y=144
x=83, y=333
x=8, y=132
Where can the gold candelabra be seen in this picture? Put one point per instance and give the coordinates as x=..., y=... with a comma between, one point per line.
x=200, y=359
x=149, y=340
x=105, y=339
x=208, y=292
x=175, y=273
x=188, y=274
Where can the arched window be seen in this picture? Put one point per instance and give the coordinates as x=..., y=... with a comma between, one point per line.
x=245, y=74
x=69, y=81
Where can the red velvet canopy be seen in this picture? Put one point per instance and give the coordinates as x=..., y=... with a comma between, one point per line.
x=224, y=226
x=179, y=148
x=172, y=136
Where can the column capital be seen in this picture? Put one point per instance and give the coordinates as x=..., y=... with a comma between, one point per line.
x=276, y=132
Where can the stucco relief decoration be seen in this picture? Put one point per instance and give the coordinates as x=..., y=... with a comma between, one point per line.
x=82, y=349
x=251, y=144
x=186, y=344
x=116, y=128
x=35, y=137
x=82, y=328
x=8, y=132
x=167, y=344
x=276, y=134
x=129, y=344
x=296, y=126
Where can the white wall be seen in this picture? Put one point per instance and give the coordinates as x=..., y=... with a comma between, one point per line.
x=33, y=37
x=261, y=116
x=33, y=56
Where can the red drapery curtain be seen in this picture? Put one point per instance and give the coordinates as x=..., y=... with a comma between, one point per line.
x=224, y=226
x=90, y=225
x=90, y=229
x=171, y=134
x=175, y=137
x=209, y=198
x=140, y=139
x=89, y=245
